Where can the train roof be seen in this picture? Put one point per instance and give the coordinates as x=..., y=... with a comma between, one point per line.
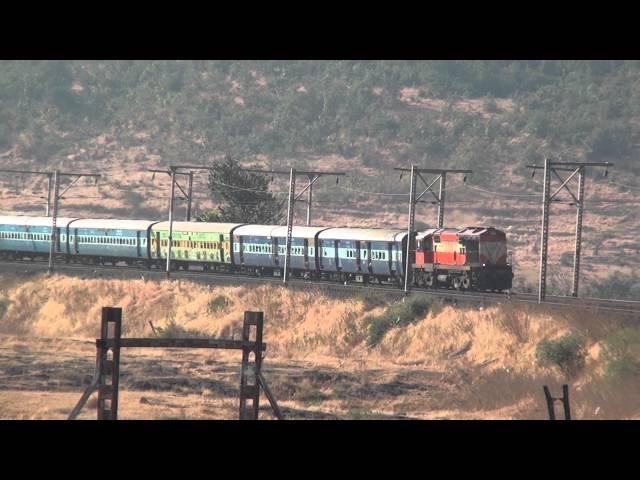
x=462, y=232
x=279, y=231
x=368, y=234
x=477, y=231
x=112, y=224
x=298, y=231
x=25, y=221
x=197, y=227
x=256, y=230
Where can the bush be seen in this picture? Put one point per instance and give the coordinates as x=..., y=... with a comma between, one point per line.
x=400, y=314
x=218, y=304
x=566, y=259
x=173, y=330
x=567, y=353
x=621, y=353
x=4, y=306
x=353, y=331
x=616, y=285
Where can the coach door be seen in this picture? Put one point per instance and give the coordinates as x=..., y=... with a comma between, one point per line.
x=358, y=260
x=306, y=253
x=240, y=249
x=221, y=248
x=75, y=241
x=275, y=254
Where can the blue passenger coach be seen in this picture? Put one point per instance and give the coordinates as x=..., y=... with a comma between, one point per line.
x=109, y=240
x=304, y=245
x=22, y=236
x=261, y=249
x=362, y=254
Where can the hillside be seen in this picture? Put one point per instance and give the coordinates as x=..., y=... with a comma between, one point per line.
x=363, y=117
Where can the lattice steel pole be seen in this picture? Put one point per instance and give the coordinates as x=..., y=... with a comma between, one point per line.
x=292, y=189
x=54, y=220
x=170, y=237
x=410, y=227
x=578, y=247
x=309, y=198
x=189, y=196
x=49, y=185
x=443, y=187
x=542, y=278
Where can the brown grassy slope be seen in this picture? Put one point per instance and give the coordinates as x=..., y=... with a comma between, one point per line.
x=458, y=363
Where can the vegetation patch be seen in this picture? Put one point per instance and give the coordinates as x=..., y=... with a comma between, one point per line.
x=621, y=354
x=398, y=315
x=616, y=285
x=4, y=306
x=566, y=353
x=218, y=304
x=173, y=330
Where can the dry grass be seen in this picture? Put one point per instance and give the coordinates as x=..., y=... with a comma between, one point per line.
x=458, y=363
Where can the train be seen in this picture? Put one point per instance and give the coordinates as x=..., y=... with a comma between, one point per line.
x=470, y=258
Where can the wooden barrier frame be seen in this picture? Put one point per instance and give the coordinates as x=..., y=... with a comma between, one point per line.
x=551, y=402
x=107, y=373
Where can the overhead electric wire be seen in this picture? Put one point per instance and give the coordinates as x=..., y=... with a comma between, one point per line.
x=502, y=193
x=624, y=186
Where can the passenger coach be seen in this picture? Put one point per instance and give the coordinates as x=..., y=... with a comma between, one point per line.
x=30, y=237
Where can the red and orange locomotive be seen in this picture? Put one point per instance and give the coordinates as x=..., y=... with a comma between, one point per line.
x=474, y=258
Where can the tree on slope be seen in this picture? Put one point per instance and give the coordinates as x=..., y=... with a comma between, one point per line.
x=243, y=196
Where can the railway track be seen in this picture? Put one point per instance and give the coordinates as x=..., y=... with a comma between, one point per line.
x=625, y=307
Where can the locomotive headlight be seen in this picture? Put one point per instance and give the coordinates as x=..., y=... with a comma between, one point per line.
x=484, y=264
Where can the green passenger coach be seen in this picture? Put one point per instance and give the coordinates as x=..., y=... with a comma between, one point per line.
x=196, y=243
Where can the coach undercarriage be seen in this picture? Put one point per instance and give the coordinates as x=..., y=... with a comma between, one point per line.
x=463, y=277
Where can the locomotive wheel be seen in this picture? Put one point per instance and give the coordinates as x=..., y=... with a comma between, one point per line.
x=466, y=282
x=457, y=283
x=428, y=280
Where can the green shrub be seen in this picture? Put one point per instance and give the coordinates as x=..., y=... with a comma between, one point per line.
x=621, y=353
x=353, y=331
x=218, y=304
x=377, y=327
x=567, y=353
x=173, y=330
x=4, y=306
x=400, y=315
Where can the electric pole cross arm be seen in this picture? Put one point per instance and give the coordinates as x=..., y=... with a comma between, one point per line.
x=416, y=173
x=312, y=177
x=53, y=181
x=188, y=195
x=442, y=178
x=577, y=169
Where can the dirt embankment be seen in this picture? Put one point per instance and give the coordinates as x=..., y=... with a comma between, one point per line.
x=321, y=360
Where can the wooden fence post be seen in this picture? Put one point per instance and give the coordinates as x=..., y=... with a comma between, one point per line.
x=109, y=370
